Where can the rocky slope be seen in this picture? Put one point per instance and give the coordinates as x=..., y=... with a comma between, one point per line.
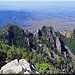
x=68, y=38
x=70, y=53
x=48, y=34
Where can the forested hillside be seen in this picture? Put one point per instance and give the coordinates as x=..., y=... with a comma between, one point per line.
x=44, y=50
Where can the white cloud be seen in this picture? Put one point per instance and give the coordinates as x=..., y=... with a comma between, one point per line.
x=37, y=0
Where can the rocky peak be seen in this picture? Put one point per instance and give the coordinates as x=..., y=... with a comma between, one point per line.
x=16, y=35
x=46, y=33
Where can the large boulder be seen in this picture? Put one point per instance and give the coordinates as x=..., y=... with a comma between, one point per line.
x=15, y=67
x=10, y=67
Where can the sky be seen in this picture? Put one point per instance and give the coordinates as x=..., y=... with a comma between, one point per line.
x=37, y=0
x=18, y=5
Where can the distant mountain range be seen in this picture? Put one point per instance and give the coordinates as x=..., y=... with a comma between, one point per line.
x=17, y=17
x=31, y=20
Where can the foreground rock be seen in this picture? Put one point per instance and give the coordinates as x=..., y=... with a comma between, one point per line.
x=15, y=67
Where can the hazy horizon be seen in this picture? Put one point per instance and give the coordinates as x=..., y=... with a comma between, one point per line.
x=34, y=5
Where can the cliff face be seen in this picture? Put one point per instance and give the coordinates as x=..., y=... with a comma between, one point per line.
x=58, y=44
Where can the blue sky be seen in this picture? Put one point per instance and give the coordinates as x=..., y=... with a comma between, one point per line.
x=35, y=4
x=37, y=0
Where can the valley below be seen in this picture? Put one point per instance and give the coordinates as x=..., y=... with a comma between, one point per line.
x=60, y=21
x=57, y=24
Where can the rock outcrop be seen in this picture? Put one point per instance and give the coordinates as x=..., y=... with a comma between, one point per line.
x=12, y=66
x=70, y=53
x=58, y=44
x=67, y=33
x=45, y=49
x=15, y=67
